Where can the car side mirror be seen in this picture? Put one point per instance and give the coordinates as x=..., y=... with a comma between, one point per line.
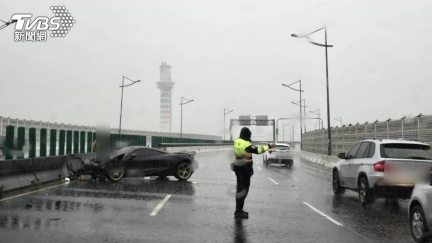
x=341, y=156
x=132, y=156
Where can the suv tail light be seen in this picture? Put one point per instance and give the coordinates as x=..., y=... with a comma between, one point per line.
x=379, y=166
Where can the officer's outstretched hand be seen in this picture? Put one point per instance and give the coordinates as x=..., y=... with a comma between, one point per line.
x=270, y=151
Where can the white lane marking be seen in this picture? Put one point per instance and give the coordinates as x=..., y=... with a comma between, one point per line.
x=273, y=181
x=259, y=168
x=194, y=182
x=322, y=214
x=323, y=171
x=160, y=205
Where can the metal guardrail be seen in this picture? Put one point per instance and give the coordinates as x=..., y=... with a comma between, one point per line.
x=343, y=138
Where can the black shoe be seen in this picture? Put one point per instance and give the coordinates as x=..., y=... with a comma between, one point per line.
x=241, y=211
x=240, y=215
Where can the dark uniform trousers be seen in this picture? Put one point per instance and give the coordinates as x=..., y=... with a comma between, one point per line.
x=243, y=174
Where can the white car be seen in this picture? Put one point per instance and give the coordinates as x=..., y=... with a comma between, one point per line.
x=281, y=155
x=382, y=168
x=420, y=212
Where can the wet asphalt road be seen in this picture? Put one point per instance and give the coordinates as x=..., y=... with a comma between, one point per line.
x=201, y=209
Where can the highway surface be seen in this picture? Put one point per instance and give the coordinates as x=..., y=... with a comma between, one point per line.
x=284, y=204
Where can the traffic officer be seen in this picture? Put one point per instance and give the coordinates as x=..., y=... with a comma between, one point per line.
x=242, y=166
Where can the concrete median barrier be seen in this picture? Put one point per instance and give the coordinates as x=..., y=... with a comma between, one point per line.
x=322, y=159
x=16, y=174
x=22, y=173
x=50, y=168
x=199, y=149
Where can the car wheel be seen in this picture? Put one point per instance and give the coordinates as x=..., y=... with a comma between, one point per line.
x=418, y=224
x=337, y=188
x=183, y=171
x=365, y=193
x=114, y=173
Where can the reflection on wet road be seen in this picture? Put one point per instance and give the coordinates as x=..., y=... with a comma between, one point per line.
x=285, y=205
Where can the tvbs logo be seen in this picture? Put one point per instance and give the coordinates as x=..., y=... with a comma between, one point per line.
x=41, y=23
x=36, y=30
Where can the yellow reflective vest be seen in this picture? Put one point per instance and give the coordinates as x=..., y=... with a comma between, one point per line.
x=244, y=149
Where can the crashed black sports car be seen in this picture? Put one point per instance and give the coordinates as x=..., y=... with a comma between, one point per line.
x=139, y=161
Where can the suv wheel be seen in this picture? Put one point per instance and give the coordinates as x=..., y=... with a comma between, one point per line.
x=418, y=224
x=337, y=188
x=365, y=193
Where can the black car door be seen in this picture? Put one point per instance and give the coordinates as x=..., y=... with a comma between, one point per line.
x=133, y=163
x=152, y=161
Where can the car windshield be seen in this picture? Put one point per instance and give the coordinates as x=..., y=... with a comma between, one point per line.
x=406, y=151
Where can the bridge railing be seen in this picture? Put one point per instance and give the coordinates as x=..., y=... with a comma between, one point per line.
x=343, y=138
x=22, y=142
x=6, y=121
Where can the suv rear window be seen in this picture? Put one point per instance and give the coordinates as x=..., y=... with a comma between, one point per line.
x=281, y=147
x=406, y=151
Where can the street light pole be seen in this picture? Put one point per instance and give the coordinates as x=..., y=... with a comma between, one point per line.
x=121, y=101
x=226, y=111
x=300, y=91
x=319, y=117
x=283, y=131
x=328, y=96
x=181, y=113
x=329, y=148
x=277, y=127
x=339, y=119
x=304, y=111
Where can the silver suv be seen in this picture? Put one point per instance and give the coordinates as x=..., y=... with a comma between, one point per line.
x=382, y=168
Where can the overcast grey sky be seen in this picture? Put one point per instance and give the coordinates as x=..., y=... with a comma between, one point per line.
x=224, y=54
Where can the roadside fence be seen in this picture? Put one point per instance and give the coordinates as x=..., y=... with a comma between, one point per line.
x=343, y=138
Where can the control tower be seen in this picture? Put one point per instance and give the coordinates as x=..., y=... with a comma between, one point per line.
x=165, y=85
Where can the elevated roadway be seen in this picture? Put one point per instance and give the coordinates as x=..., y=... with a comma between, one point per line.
x=285, y=205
